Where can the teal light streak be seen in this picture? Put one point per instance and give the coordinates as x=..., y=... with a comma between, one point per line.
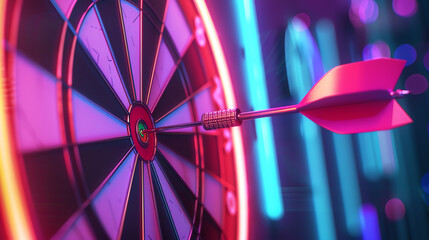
x=370, y=156
x=258, y=98
x=344, y=155
x=304, y=68
x=387, y=152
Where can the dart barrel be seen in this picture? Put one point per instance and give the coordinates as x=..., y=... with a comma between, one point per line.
x=221, y=119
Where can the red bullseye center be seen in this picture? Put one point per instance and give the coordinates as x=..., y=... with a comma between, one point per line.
x=140, y=119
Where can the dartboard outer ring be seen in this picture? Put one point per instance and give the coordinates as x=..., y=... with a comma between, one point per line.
x=23, y=211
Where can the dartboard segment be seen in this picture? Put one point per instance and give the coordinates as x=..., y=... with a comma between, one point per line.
x=173, y=94
x=131, y=17
x=90, y=82
x=100, y=158
x=92, y=123
x=178, y=220
x=183, y=114
x=130, y=227
x=36, y=92
x=111, y=17
x=108, y=200
x=182, y=175
x=110, y=203
x=93, y=38
x=151, y=215
x=164, y=69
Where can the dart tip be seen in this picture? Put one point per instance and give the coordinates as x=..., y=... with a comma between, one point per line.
x=399, y=93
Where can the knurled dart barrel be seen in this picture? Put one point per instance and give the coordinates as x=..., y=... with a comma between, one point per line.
x=221, y=119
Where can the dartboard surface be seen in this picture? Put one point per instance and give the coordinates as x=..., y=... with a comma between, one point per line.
x=86, y=78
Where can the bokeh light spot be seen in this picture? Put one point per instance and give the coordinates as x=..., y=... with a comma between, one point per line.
x=406, y=52
x=394, y=209
x=376, y=50
x=405, y=8
x=416, y=83
x=365, y=10
x=425, y=183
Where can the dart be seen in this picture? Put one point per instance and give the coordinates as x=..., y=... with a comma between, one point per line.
x=351, y=98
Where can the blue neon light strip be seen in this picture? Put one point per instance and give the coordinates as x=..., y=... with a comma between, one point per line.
x=258, y=98
x=304, y=68
x=344, y=154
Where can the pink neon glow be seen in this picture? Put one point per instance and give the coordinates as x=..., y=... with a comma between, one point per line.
x=131, y=17
x=186, y=170
x=92, y=123
x=14, y=212
x=37, y=118
x=405, y=8
x=61, y=51
x=163, y=71
x=151, y=226
x=200, y=32
x=93, y=38
x=183, y=226
x=231, y=203
x=240, y=162
x=177, y=26
x=213, y=196
x=110, y=203
x=394, y=209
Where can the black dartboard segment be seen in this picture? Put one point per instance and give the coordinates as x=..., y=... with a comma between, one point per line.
x=51, y=189
x=41, y=17
x=173, y=94
x=100, y=158
x=133, y=220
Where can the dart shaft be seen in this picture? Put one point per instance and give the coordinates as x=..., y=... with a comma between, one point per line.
x=233, y=117
x=268, y=112
x=172, y=127
x=226, y=118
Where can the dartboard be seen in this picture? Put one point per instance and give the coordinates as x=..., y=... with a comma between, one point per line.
x=85, y=78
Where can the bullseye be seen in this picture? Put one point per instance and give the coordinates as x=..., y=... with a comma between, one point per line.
x=140, y=119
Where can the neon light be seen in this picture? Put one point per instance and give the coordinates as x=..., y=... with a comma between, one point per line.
x=344, y=155
x=240, y=165
x=369, y=222
x=61, y=51
x=387, y=152
x=265, y=146
x=304, y=68
x=370, y=156
x=14, y=212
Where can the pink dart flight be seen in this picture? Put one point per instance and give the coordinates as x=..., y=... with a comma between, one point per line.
x=357, y=97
